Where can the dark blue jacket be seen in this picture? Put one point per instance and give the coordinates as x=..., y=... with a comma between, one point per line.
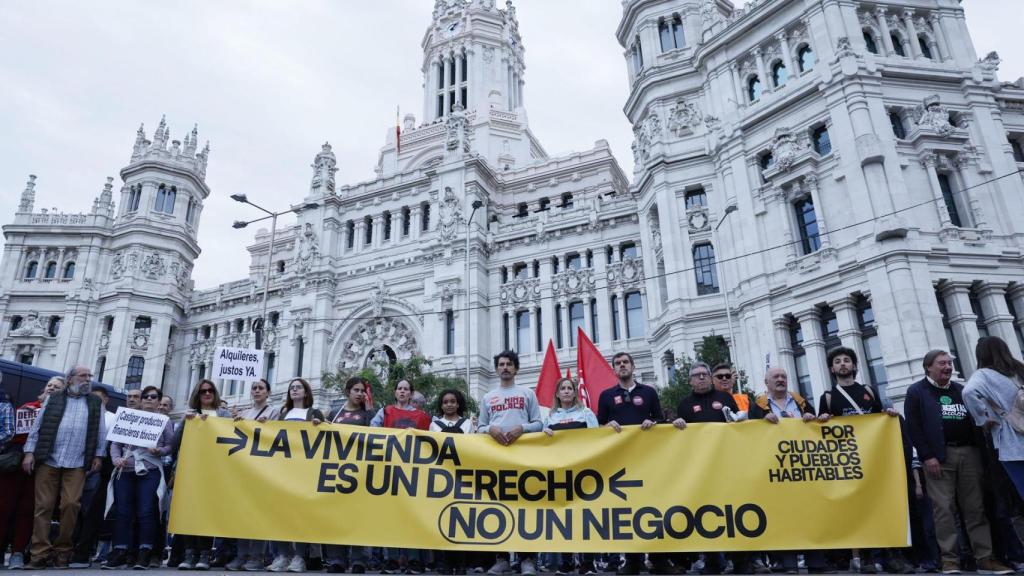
x=924, y=420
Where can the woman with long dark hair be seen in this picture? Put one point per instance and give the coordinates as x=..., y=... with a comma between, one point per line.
x=990, y=395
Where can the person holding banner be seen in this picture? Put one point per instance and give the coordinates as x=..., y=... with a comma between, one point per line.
x=451, y=419
x=847, y=397
x=138, y=485
x=291, y=556
x=250, y=552
x=62, y=459
x=402, y=414
x=353, y=413
x=506, y=413
x=569, y=413
x=202, y=403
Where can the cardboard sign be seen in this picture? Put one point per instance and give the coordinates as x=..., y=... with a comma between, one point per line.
x=24, y=419
x=245, y=364
x=137, y=428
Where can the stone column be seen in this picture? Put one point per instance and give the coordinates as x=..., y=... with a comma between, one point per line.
x=819, y=211
x=940, y=35
x=457, y=62
x=911, y=29
x=604, y=317
x=1016, y=295
x=535, y=337
x=997, y=314
x=415, y=215
x=883, y=28
x=623, y=323
x=378, y=231
x=357, y=241
x=963, y=321
x=814, y=345
x=785, y=355
x=787, y=56
x=766, y=86
x=737, y=84
x=849, y=334
x=929, y=160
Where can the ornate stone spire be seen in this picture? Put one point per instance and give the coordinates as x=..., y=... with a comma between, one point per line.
x=191, y=141
x=324, y=166
x=140, y=143
x=104, y=204
x=161, y=134
x=28, y=196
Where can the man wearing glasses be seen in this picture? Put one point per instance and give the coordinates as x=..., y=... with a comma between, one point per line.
x=724, y=377
x=67, y=437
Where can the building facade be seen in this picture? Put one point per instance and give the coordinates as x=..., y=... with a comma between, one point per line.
x=806, y=174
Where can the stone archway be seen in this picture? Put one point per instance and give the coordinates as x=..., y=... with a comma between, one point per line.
x=369, y=340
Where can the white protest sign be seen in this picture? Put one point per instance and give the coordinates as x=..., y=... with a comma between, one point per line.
x=245, y=364
x=137, y=428
x=24, y=418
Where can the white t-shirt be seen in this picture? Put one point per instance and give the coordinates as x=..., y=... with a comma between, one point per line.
x=296, y=414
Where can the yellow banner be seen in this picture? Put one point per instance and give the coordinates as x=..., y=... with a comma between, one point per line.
x=745, y=486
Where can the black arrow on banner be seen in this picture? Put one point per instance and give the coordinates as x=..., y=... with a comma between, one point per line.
x=239, y=442
x=616, y=483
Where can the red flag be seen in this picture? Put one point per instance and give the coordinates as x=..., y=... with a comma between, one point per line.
x=549, y=376
x=594, y=371
x=369, y=397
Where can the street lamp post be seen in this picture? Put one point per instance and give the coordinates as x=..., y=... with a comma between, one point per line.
x=721, y=274
x=469, y=228
x=270, y=252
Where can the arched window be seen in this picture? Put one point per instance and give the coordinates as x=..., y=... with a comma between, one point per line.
x=670, y=31
x=69, y=271
x=165, y=199
x=31, y=269
x=51, y=270
x=821, y=141
x=754, y=88
x=869, y=42
x=806, y=58
x=897, y=45
x=779, y=74
x=136, y=366
x=896, y=121
x=134, y=197
x=638, y=55
x=926, y=51
x=704, y=269
x=54, y=327
x=190, y=212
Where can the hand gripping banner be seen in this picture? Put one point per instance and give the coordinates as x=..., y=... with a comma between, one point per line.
x=744, y=486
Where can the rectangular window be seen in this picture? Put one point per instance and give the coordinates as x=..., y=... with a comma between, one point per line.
x=449, y=332
x=615, y=318
x=406, y=221
x=558, y=325
x=573, y=262
x=367, y=231
x=829, y=328
x=504, y=332
x=464, y=96
x=143, y=324
x=872, y=346
x=271, y=363
x=803, y=373
x=425, y=217
x=822, y=142
x=350, y=234
x=950, y=337
x=520, y=271
x=133, y=378
x=628, y=250
x=540, y=331
x=1018, y=151
x=575, y=321
x=300, y=351
x=190, y=212
x=635, y=325
x=522, y=331
x=704, y=269
x=54, y=327
x=567, y=200
x=595, y=333
x=807, y=221
x=695, y=198
x=387, y=225
x=896, y=121
x=101, y=368
x=440, y=105
x=950, y=200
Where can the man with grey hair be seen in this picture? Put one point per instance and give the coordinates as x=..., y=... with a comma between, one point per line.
x=67, y=437
x=706, y=403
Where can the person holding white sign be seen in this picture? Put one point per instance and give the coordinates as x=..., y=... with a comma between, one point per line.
x=138, y=484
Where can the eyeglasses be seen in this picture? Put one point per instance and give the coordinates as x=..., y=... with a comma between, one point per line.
x=723, y=376
x=297, y=387
x=700, y=375
x=206, y=391
x=150, y=397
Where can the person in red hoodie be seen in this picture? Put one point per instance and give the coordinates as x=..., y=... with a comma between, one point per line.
x=17, y=489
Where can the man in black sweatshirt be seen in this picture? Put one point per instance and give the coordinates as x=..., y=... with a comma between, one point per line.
x=705, y=403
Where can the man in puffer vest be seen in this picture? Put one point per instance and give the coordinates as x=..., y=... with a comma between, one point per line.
x=67, y=437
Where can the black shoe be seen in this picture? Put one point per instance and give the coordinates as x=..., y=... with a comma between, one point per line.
x=628, y=569
x=868, y=567
x=358, y=569
x=392, y=567
x=333, y=568
x=414, y=567
x=587, y=568
x=664, y=567
x=145, y=555
x=565, y=568
x=116, y=560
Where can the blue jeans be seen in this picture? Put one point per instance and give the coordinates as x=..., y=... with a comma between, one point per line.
x=1015, y=470
x=136, y=499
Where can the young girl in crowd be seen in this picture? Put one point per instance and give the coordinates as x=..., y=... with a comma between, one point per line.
x=251, y=552
x=204, y=402
x=567, y=413
x=291, y=556
x=402, y=414
x=139, y=486
x=451, y=419
x=354, y=413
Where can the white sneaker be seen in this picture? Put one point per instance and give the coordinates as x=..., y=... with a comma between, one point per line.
x=298, y=564
x=500, y=567
x=236, y=564
x=280, y=564
x=527, y=567
x=16, y=562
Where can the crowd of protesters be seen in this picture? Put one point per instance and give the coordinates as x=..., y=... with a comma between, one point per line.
x=963, y=448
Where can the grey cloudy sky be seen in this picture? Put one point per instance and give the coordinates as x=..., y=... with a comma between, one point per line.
x=269, y=81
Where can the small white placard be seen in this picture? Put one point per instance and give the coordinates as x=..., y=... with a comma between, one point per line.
x=24, y=418
x=245, y=364
x=137, y=428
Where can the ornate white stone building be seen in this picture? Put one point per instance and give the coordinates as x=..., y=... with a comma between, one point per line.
x=840, y=158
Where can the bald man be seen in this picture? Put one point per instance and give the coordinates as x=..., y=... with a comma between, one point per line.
x=778, y=402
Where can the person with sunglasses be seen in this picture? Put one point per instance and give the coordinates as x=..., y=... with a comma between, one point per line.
x=298, y=406
x=251, y=552
x=723, y=376
x=202, y=403
x=138, y=485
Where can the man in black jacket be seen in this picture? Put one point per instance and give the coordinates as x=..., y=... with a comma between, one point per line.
x=947, y=444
